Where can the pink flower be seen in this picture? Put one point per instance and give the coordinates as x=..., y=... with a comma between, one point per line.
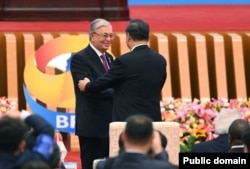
x=196, y=118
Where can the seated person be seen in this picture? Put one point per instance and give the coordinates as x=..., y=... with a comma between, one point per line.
x=246, y=140
x=138, y=138
x=236, y=129
x=219, y=144
x=13, y=153
x=150, y=153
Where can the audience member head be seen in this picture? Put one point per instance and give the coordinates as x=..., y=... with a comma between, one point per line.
x=246, y=140
x=138, y=133
x=101, y=34
x=224, y=119
x=235, y=131
x=137, y=31
x=162, y=137
x=12, y=132
x=36, y=165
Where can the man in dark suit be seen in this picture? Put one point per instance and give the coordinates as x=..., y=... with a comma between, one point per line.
x=139, y=138
x=219, y=144
x=236, y=129
x=93, y=111
x=137, y=77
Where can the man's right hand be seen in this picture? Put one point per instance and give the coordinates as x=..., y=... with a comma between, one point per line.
x=82, y=83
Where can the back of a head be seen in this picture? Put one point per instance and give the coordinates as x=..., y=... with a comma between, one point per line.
x=97, y=23
x=246, y=138
x=224, y=119
x=11, y=133
x=138, y=30
x=139, y=129
x=236, y=129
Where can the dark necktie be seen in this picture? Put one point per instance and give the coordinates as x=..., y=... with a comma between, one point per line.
x=104, y=62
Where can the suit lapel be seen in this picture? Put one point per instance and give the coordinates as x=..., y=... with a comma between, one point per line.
x=96, y=60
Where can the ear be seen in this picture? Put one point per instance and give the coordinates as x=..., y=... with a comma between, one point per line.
x=128, y=36
x=20, y=148
x=123, y=136
x=152, y=138
x=22, y=145
x=246, y=149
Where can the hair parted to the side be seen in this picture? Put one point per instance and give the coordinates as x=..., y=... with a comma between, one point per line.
x=97, y=23
x=138, y=30
x=224, y=119
x=139, y=129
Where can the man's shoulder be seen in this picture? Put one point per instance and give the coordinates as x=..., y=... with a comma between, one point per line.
x=82, y=51
x=140, y=162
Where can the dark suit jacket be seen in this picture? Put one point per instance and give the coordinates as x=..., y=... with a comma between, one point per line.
x=137, y=78
x=93, y=111
x=128, y=160
x=217, y=145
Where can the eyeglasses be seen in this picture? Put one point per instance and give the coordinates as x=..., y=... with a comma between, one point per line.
x=105, y=35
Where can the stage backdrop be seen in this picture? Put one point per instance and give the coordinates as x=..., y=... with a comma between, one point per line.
x=34, y=68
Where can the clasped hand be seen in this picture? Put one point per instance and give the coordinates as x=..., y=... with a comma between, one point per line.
x=82, y=84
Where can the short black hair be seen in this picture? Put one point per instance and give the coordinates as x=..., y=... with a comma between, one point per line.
x=236, y=129
x=12, y=132
x=246, y=137
x=138, y=29
x=139, y=129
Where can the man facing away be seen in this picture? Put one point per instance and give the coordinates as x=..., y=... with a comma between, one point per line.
x=246, y=140
x=235, y=131
x=137, y=77
x=139, y=138
x=93, y=111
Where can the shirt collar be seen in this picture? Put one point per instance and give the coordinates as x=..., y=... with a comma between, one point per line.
x=237, y=146
x=136, y=46
x=134, y=151
x=96, y=50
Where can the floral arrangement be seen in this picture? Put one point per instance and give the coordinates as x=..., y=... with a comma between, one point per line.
x=6, y=105
x=196, y=117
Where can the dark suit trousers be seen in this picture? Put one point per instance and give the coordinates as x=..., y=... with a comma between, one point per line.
x=91, y=149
